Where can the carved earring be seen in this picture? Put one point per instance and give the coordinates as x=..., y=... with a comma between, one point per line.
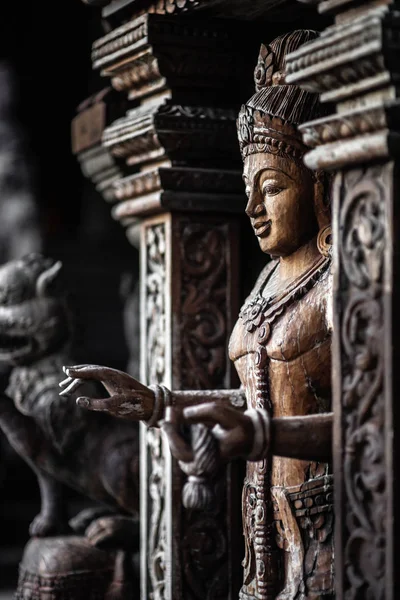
x=322, y=212
x=324, y=240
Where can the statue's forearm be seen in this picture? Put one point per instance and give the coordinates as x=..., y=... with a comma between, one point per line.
x=235, y=398
x=180, y=399
x=304, y=437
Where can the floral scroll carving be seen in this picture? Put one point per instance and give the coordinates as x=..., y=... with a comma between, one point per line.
x=361, y=314
x=196, y=303
x=204, y=306
x=204, y=321
x=155, y=367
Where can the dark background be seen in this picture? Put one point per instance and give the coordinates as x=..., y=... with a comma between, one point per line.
x=47, y=47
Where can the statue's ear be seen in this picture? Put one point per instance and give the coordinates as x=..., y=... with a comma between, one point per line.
x=47, y=283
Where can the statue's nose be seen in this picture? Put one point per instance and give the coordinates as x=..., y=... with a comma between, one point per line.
x=254, y=205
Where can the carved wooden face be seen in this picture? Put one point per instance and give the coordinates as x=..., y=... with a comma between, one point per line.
x=281, y=203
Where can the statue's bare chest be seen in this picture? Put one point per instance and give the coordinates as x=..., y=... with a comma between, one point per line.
x=284, y=330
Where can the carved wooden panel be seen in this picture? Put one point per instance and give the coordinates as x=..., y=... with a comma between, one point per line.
x=189, y=297
x=354, y=65
x=155, y=368
x=363, y=272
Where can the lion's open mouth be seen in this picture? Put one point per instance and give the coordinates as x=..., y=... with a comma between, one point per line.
x=14, y=345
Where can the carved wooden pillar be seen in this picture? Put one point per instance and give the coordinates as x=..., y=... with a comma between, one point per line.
x=177, y=149
x=355, y=65
x=189, y=298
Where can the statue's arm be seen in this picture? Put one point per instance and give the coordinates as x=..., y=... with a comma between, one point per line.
x=130, y=399
x=253, y=434
x=305, y=437
x=250, y=434
x=234, y=397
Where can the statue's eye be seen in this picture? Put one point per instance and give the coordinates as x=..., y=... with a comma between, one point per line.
x=271, y=190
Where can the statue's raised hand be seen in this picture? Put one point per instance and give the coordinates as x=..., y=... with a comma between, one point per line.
x=129, y=399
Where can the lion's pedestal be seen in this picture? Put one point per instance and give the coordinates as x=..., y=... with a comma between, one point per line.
x=70, y=568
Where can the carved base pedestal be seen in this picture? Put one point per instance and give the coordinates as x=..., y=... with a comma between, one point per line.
x=70, y=568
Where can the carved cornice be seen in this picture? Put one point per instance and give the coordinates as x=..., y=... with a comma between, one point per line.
x=349, y=58
x=354, y=64
x=139, y=76
x=353, y=136
x=380, y=145
x=87, y=128
x=175, y=132
x=138, y=184
x=153, y=53
x=335, y=6
x=149, y=29
x=156, y=6
x=343, y=126
x=248, y=9
x=98, y=165
x=93, y=115
x=179, y=179
x=120, y=42
x=178, y=188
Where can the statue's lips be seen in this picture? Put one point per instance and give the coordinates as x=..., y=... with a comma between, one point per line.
x=262, y=228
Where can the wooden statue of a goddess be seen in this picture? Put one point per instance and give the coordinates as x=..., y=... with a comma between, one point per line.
x=281, y=348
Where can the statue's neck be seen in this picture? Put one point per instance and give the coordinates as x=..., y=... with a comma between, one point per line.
x=293, y=266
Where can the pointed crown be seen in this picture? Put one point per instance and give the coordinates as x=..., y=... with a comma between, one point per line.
x=268, y=121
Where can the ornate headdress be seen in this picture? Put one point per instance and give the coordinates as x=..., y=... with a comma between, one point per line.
x=268, y=121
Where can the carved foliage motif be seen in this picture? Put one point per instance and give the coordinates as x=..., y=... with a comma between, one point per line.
x=155, y=365
x=201, y=309
x=204, y=306
x=204, y=323
x=360, y=313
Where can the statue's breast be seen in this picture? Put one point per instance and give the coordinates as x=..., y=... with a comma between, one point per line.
x=295, y=328
x=301, y=327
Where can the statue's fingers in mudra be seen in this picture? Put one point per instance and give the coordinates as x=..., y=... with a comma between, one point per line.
x=233, y=430
x=171, y=426
x=128, y=398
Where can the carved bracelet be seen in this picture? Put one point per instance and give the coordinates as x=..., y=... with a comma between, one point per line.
x=162, y=399
x=262, y=433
